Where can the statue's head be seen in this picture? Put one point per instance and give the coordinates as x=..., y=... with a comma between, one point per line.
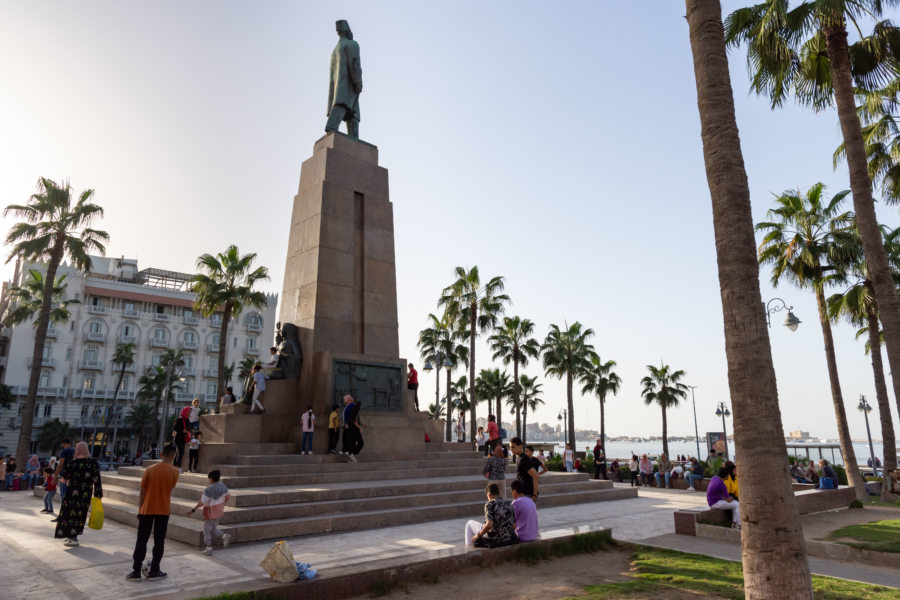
x=343, y=29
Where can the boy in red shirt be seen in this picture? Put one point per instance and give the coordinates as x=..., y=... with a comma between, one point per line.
x=49, y=490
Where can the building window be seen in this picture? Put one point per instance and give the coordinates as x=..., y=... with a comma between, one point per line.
x=45, y=379
x=71, y=325
x=251, y=343
x=37, y=409
x=95, y=301
x=129, y=306
x=234, y=343
x=188, y=361
x=189, y=336
x=128, y=329
x=253, y=319
x=213, y=363
x=160, y=333
x=160, y=309
x=89, y=382
x=69, y=353
x=211, y=388
x=65, y=380
x=188, y=313
x=126, y=383
x=95, y=327
x=157, y=356
x=214, y=339
x=48, y=349
x=90, y=353
x=48, y=410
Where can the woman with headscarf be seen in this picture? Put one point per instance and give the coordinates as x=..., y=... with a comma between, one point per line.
x=83, y=478
x=32, y=472
x=181, y=434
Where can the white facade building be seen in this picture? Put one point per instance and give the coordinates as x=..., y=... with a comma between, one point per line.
x=120, y=303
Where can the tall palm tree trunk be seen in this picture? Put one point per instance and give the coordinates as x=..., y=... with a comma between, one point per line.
x=115, y=399
x=40, y=337
x=473, y=400
x=773, y=548
x=437, y=386
x=854, y=477
x=884, y=406
x=571, y=423
x=522, y=434
x=665, y=431
x=449, y=405
x=863, y=202
x=516, y=396
x=603, y=421
x=223, y=347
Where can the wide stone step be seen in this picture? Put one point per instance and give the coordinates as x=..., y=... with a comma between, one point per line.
x=189, y=530
x=344, y=466
x=301, y=459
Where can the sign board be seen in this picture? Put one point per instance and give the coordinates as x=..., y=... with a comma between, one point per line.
x=716, y=440
x=375, y=386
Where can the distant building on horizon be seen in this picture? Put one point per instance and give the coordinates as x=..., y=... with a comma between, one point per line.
x=799, y=435
x=152, y=308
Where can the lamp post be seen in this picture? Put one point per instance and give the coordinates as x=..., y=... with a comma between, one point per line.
x=722, y=411
x=428, y=368
x=790, y=321
x=563, y=418
x=696, y=430
x=865, y=408
x=170, y=367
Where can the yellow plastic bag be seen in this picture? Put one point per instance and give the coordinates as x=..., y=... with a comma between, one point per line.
x=279, y=564
x=96, y=520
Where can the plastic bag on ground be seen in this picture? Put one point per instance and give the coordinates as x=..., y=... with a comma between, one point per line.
x=96, y=520
x=279, y=563
x=305, y=571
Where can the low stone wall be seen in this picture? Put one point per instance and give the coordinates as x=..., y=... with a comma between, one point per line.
x=808, y=501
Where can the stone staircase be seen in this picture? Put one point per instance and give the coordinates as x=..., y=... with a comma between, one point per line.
x=275, y=496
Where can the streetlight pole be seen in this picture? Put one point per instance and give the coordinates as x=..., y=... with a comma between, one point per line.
x=790, y=321
x=696, y=430
x=563, y=418
x=722, y=411
x=162, y=425
x=865, y=408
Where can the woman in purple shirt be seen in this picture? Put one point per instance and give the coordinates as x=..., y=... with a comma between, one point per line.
x=717, y=497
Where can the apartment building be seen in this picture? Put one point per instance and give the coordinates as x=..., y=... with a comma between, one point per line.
x=120, y=303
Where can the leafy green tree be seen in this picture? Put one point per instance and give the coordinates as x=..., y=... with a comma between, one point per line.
x=245, y=373
x=6, y=396
x=601, y=380
x=857, y=305
x=226, y=282
x=492, y=384
x=804, y=52
x=27, y=299
x=530, y=397
x=52, y=433
x=436, y=411
x=53, y=226
x=773, y=548
x=663, y=387
x=474, y=307
x=567, y=353
x=460, y=391
x=513, y=342
x=809, y=241
x=142, y=421
x=124, y=357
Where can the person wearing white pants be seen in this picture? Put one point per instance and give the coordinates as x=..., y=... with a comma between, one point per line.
x=259, y=381
x=717, y=497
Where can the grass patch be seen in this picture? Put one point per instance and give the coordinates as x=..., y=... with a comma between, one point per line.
x=658, y=572
x=578, y=544
x=880, y=536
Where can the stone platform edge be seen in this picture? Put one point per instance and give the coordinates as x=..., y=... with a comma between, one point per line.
x=380, y=576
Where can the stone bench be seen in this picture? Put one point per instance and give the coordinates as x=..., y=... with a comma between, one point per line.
x=808, y=501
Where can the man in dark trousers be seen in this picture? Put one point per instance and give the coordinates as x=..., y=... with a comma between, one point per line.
x=153, y=515
x=412, y=383
x=353, y=442
x=599, y=461
x=526, y=472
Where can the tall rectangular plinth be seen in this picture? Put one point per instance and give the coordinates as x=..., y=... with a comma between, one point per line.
x=340, y=284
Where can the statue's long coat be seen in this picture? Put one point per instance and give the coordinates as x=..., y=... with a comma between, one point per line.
x=346, y=75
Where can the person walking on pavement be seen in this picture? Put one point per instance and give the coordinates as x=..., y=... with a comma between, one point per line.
x=599, y=461
x=157, y=484
x=82, y=476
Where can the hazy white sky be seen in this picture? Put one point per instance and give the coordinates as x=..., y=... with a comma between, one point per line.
x=554, y=144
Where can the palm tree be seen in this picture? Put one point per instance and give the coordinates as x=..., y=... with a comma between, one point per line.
x=530, y=397
x=513, y=343
x=52, y=433
x=601, y=380
x=857, y=306
x=123, y=356
x=808, y=241
x=566, y=353
x=474, y=307
x=142, y=421
x=494, y=385
x=804, y=52
x=225, y=282
x=460, y=391
x=27, y=299
x=663, y=387
x=245, y=373
x=52, y=228
x=436, y=411
x=429, y=346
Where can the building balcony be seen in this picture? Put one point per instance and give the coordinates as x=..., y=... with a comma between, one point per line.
x=98, y=310
x=159, y=343
x=52, y=332
x=213, y=348
x=252, y=351
x=161, y=317
x=130, y=313
x=215, y=322
x=213, y=373
x=254, y=327
x=90, y=365
x=116, y=368
x=184, y=396
x=210, y=397
x=186, y=345
x=188, y=372
x=51, y=392
x=190, y=320
x=45, y=362
x=127, y=339
x=95, y=336
x=82, y=393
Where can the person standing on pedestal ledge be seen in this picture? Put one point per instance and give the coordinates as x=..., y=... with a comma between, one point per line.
x=412, y=383
x=345, y=83
x=259, y=386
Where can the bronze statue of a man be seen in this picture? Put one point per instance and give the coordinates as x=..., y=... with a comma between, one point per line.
x=345, y=83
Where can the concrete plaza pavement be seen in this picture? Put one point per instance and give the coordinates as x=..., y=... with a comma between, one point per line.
x=37, y=566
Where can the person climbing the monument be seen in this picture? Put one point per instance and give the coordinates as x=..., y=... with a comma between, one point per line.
x=412, y=383
x=345, y=83
x=259, y=386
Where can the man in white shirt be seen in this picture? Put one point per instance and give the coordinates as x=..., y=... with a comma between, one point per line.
x=259, y=386
x=308, y=423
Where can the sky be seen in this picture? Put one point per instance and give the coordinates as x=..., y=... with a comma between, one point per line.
x=554, y=144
